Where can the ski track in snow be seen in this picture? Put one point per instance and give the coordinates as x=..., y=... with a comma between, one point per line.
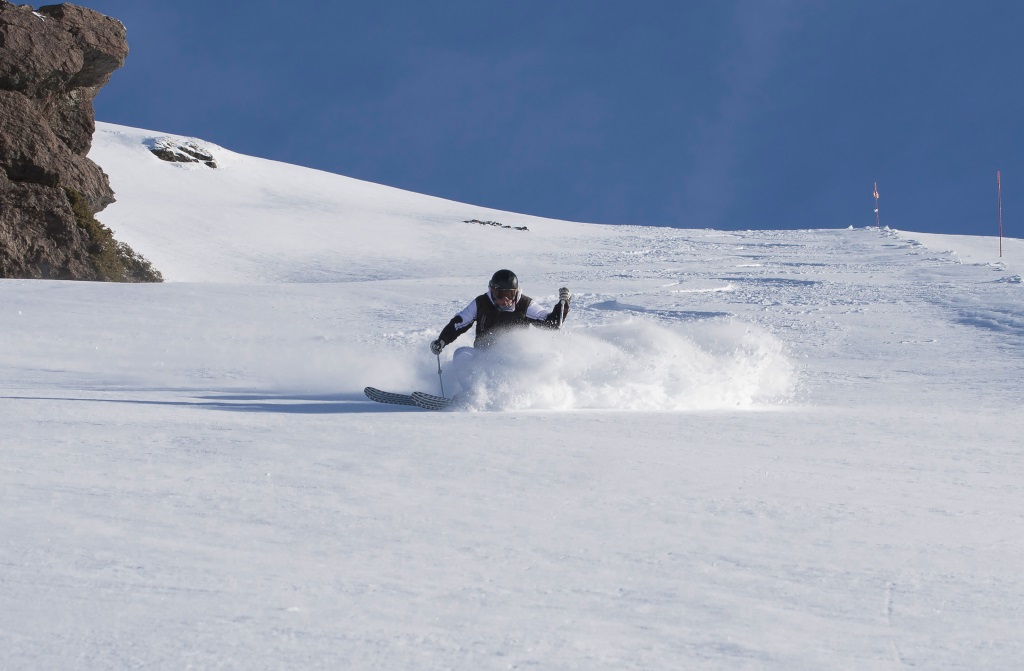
x=747, y=450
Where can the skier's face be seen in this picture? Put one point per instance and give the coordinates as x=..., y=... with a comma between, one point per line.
x=504, y=298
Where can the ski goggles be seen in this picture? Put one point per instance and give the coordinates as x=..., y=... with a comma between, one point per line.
x=504, y=295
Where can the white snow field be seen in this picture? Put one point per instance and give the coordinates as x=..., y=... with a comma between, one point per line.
x=746, y=450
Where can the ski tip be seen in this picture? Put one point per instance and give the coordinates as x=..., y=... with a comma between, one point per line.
x=417, y=398
x=379, y=396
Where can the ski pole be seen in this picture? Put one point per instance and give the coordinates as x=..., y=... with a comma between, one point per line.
x=440, y=379
x=563, y=305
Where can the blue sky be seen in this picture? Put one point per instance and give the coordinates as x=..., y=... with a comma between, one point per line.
x=728, y=114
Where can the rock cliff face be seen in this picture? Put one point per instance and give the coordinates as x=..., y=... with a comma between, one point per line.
x=53, y=61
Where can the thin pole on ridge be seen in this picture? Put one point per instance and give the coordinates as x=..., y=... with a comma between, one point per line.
x=877, y=225
x=999, y=206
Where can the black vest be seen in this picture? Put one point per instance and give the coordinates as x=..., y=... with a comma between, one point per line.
x=491, y=320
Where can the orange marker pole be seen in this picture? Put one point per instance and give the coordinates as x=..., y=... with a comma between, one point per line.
x=999, y=204
x=876, y=206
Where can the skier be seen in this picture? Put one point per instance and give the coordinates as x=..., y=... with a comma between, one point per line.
x=501, y=309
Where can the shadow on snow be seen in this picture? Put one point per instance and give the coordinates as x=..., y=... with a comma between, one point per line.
x=296, y=404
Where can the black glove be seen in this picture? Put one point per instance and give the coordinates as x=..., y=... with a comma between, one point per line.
x=437, y=345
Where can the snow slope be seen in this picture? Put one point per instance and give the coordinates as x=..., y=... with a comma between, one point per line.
x=747, y=450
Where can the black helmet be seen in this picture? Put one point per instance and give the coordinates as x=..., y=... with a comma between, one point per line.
x=504, y=290
x=504, y=280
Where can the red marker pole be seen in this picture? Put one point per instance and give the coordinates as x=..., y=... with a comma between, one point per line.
x=999, y=204
x=878, y=225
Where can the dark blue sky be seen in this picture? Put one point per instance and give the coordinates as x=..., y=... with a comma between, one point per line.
x=729, y=114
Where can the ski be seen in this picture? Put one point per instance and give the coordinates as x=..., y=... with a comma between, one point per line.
x=429, y=401
x=375, y=394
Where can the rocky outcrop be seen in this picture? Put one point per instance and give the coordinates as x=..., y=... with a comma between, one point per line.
x=53, y=61
x=181, y=151
x=495, y=224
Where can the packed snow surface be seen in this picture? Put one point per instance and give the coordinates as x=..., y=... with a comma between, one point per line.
x=745, y=450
